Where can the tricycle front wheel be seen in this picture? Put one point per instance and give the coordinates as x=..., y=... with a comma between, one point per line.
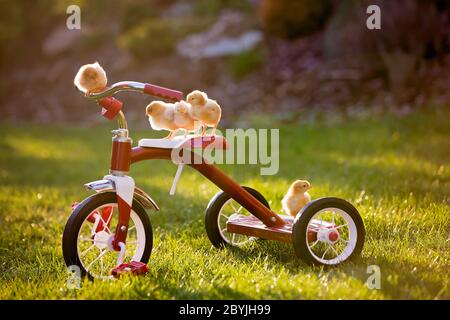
x=88, y=235
x=220, y=209
x=328, y=231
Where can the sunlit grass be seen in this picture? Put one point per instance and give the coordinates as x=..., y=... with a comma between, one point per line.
x=396, y=172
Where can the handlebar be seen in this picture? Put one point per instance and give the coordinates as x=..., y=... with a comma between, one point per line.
x=150, y=89
x=112, y=107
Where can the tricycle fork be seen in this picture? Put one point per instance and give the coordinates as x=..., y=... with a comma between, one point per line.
x=124, y=184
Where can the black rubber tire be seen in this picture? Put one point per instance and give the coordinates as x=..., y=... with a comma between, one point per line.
x=302, y=220
x=78, y=216
x=213, y=210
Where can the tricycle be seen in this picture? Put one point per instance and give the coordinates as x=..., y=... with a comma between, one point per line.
x=110, y=230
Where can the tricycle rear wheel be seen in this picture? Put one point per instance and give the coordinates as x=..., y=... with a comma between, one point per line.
x=328, y=231
x=216, y=217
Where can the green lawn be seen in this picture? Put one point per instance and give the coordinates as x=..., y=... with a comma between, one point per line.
x=395, y=171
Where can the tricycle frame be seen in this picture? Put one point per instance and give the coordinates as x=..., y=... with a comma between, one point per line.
x=123, y=156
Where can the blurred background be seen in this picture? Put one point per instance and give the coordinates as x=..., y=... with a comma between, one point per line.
x=264, y=60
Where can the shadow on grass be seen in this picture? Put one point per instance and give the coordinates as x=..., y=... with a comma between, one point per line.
x=399, y=278
x=403, y=279
x=218, y=292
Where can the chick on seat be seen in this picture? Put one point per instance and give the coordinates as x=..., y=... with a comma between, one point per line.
x=205, y=110
x=161, y=117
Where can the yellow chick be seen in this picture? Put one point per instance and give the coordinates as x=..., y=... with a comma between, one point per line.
x=91, y=78
x=296, y=197
x=182, y=118
x=205, y=110
x=161, y=117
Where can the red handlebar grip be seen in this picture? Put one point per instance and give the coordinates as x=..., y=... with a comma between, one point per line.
x=111, y=107
x=161, y=92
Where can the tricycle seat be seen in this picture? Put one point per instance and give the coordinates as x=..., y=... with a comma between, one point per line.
x=190, y=142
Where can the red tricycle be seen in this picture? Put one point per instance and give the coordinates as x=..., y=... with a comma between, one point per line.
x=111, y=227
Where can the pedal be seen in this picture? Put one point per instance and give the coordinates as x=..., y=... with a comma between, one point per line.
x=133, y=267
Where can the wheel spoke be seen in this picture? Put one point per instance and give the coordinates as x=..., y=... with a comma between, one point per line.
x=332, y=247
x=98, y=217
x=87, y=250
x=342, y=225
x=105, y=225
x=96, y=259
x=232, y=238
x=315, y=242
x=110, y=216
x=233, y=207
x=323, y=256
x=224, y=215
x=131, y=228
x=312, y=228
x=239, y=210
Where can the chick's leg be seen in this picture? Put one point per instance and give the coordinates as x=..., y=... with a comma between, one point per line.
x=171, y=134
x=200, y=128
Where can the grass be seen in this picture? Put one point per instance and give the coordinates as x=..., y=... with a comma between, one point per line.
x=395, y=171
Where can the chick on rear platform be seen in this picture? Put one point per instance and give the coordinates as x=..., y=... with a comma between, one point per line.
x=296, y=197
